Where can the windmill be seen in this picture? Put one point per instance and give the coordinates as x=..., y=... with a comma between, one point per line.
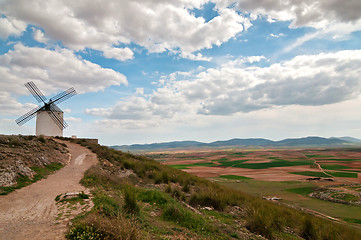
x=49, y=120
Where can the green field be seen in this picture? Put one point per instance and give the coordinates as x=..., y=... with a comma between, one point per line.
x=343, y=174
x=311, y=174
x=234, y=177
x=186, y=166
x=333, y=166
x=302, y=191
x=274, y=163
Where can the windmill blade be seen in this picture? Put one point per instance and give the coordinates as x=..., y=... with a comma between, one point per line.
x=60, y=122
x=63, y=96
x=26, y=117
x=34, y=90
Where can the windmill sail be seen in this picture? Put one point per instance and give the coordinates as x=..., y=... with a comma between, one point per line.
x=28, y=116
x=34, y=90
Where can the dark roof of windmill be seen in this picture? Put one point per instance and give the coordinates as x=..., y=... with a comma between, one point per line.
x=53, y=108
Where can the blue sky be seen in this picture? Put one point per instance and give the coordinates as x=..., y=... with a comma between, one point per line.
x=155, y=71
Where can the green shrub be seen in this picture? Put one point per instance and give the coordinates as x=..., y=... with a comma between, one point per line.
x=153, y=196
x=162, y=177
x=42, y=139
x=84, y=232
x=94, y=226
x=82, y=195
x=209, y=199
x=130, y=199
x=106, y=205
x=184, y=217
x=309, y=230
x=264, y=220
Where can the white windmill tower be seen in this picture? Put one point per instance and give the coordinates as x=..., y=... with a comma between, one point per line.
x=49, y=117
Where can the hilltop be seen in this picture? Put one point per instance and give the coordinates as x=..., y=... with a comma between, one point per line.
x=249, y=142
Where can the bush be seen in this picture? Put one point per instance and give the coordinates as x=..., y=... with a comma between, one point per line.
x=309, y=230
x=98, y=227
x=42, y=139
x=153, y=196
x=209, y=199
x=106, y=205
x=130, y=199
x=184, y=217
x=84, y=232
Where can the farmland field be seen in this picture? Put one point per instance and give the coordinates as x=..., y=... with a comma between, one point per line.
x=322, y=181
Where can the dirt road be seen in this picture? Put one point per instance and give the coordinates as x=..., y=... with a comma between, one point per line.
x=31, y=212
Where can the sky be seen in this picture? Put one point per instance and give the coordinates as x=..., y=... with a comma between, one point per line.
x=164, y=70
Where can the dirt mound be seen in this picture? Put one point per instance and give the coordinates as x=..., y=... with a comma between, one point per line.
x=18, y=154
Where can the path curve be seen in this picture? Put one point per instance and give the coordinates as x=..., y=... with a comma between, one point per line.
x=30, y=212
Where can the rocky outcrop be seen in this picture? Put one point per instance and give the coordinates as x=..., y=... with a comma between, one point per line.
x=19, y=153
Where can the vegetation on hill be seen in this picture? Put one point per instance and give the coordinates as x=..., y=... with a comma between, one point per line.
x=136, y=197
x=26, y=159
x=259, y=142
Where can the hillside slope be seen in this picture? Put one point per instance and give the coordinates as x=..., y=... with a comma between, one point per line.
x=139, y=198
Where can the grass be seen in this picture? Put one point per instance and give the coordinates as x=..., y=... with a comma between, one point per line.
x=343, y=174
x=311, y=174
x=234, y=177
x=302, y=191
x=352, y=220
x=184, y=218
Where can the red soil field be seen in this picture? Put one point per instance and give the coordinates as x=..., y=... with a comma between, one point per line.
x=321, y=156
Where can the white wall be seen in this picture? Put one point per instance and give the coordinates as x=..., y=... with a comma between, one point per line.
x=46, y=126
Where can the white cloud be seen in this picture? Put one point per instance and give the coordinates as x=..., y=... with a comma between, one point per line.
x=121, y=54
x=311, y=13
x=72, y=119
x=196, y=57
x=156, y=25
x=335, y=18
x=55, y=70
x=39, y=36
x=309, y=80
x=277, y=35
x=11, y=26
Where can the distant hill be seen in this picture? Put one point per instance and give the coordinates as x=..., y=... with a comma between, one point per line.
x=350, y=139
x=249, y=142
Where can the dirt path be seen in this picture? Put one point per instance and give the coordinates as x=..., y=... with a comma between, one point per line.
x=31, y=212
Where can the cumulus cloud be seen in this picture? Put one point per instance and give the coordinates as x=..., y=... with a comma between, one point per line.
x=156, y=25
x=308, y=80
x=121, y=54
x=332, y=18
x=39, y=36
x=11, y=26
x=310, y=13
x=55, y=70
